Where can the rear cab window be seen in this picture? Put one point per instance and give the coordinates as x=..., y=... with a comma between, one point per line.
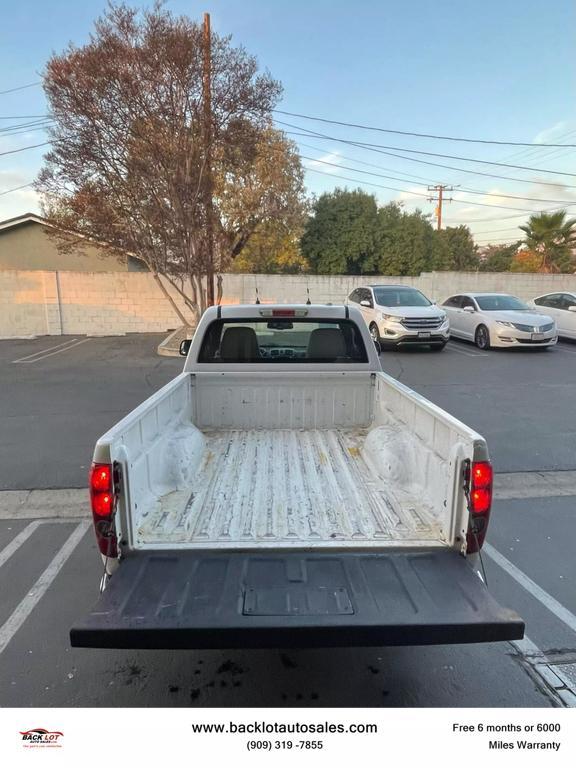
x=282, y=340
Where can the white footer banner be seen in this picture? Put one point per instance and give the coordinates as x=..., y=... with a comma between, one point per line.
x=171, y=738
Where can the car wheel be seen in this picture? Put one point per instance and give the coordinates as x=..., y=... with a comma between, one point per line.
x=375, y=333
x=437, y=347
x=482, y=337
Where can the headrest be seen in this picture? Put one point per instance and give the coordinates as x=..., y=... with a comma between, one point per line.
x=239, y=345
x=326, y=343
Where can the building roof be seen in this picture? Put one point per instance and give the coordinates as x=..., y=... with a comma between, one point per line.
x=24, y=218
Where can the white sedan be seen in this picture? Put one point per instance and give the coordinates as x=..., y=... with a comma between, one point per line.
x=498, y=320
x=561, y=307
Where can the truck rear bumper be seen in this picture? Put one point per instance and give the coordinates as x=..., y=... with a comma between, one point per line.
x=238, y=600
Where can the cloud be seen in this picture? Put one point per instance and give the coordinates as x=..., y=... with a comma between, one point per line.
x=554, y=133
x=320, y=163
x=22, y=200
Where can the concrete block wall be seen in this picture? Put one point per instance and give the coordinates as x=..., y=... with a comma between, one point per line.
x=101, y=303
x=22, y=304
x=109, y=303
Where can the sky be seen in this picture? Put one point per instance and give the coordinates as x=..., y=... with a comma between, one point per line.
x=498, y=70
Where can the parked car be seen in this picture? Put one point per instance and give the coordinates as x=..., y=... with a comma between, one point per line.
x=498, y=320
x=562, y=309
x=398, y=314
x=284, y=491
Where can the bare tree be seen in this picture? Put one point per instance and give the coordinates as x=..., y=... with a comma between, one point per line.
x=127, y=165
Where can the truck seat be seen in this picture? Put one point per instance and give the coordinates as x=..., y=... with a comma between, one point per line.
x=326, y=343
x=239, y=345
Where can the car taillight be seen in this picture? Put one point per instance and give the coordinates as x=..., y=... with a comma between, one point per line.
x=103, y=503
x=480, y=504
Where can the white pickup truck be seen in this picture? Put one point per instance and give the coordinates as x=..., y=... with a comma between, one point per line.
x=284, y=492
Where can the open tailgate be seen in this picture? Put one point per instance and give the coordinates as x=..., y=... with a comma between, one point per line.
x=247, y=600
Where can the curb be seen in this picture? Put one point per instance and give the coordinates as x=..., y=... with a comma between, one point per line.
x=170, y=347
x=62, y=502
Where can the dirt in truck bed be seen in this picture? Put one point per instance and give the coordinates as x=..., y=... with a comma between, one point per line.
x=287, y=487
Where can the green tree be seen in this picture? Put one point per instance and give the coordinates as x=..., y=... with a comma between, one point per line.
x=441, y=257
x=462, y=253
x=406, y=242
x=552, y=236
x=498, y=258
x=340, y=237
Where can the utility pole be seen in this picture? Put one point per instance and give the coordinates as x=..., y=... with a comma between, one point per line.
x=440, y=188
x=208, y=202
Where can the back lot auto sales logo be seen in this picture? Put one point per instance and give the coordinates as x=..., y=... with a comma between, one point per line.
x=40, y=737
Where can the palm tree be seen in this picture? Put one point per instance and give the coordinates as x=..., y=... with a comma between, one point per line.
x=552, y=236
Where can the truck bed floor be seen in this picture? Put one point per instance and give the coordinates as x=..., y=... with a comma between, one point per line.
x=287, y=488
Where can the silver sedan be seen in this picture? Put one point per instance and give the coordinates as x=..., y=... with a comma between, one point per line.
x=498, y=320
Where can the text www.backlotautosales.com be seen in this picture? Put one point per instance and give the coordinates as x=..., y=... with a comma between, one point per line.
x=271, y=736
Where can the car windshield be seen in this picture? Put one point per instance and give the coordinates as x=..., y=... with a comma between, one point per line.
x=400, y=297
x=282, y=340
x=496, y=303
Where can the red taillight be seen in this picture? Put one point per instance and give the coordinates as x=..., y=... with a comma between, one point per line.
x=283, y=313
x=480, y=504
x=101, y=477
x=481, y=501
x=103, y=503
x=481, y=474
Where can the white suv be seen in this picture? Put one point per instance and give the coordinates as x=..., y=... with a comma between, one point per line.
x=399, y=314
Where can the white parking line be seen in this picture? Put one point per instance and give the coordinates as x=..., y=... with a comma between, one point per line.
x=17, y=542
x=454, y=348
x=525, y=581
x=25, y=608
x=24, y=535
x=43, y=351
x=568, y=350
x=57, y=352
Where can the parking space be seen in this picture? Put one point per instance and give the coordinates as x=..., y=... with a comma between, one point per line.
x=52, y=411
x=56, y=402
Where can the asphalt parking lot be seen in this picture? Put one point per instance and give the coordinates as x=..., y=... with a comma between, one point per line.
x=57, y=395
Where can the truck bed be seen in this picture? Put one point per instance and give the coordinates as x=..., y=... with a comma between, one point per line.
x=287, y=488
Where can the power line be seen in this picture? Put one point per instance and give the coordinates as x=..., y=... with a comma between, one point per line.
x=15, y=189
x=371, y=148
x=21, y=87
x=40, y=121
x=23, y=128
x=356, y=170
x=22, y=117
x=440, y=154
x=23, y=149
x=517, y=197
x=492, y=231
x=468, y=191
x=421, y=194
x=532, y=145
x=370, y=165
x=529, y=154
x=503, y=240
x=499, y=218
